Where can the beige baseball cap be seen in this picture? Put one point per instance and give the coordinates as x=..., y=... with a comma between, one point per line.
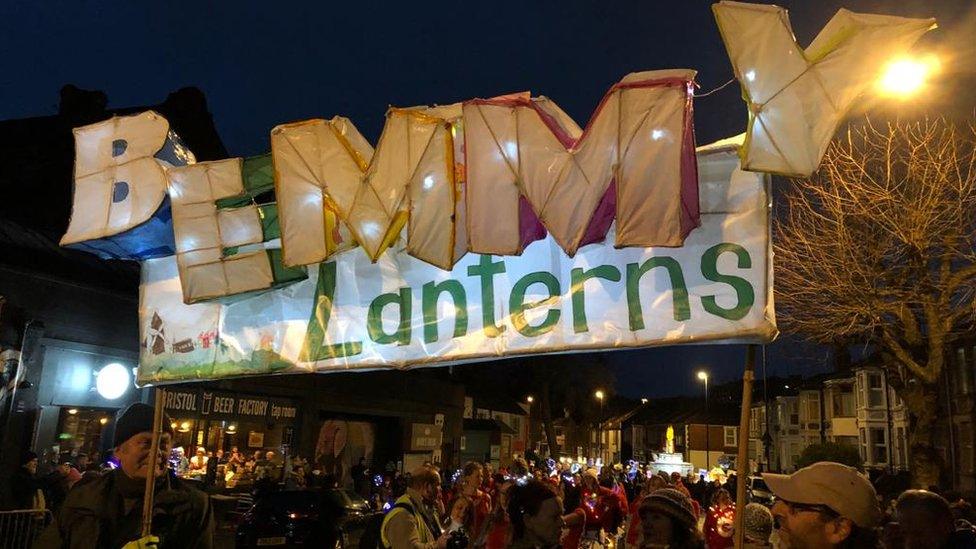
x=839, y=487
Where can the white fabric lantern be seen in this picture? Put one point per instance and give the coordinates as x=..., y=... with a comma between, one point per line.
x=120, y=187
x=326, y=172
x=634, y=162
x=797, y=96
x=203, y=232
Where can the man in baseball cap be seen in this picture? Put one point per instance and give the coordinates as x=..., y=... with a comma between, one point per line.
x=824, y=505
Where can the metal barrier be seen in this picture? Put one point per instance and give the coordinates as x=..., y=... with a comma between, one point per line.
x=19, y=529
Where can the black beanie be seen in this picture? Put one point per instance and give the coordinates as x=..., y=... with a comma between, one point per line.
x=137, y=418
x=27, y=457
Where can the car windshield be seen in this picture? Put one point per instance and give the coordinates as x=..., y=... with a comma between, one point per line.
x=290, y=500
x=759, y=484
x=347, y=498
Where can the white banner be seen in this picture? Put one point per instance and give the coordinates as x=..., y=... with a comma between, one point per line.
x=398, y=312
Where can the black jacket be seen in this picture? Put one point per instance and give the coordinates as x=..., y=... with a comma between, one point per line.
x=107, y=513
x=23, y=488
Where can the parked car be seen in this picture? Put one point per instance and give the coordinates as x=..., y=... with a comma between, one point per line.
x=305, y=518
x=758, y=492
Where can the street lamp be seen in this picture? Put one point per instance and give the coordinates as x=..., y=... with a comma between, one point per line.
x=599, y=396
x=903, y=77
x=643, y=401
x=703, y=376
x=528, y=435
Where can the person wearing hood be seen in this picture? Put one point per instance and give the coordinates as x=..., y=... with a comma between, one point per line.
x=536, y=515
x=107, y=511
x=667, y=519
x=25, y=488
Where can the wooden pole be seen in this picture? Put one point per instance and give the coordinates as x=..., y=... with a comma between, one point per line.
x=742, y=461
x=157, y=428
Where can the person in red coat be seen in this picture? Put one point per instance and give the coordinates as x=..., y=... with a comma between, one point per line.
x=480, y=502
x=719, y=521
x=602, y=507
x=497, y=531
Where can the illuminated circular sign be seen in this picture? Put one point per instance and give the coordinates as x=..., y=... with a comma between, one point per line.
x=113, y=380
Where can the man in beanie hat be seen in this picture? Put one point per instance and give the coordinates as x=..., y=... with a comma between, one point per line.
x=107, y=511
x=824, y=505
x=25, y=488
x=667, y=519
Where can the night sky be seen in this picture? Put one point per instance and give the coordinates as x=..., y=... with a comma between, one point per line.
x=266, y=63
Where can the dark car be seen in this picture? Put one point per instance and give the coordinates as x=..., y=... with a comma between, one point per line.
x=305, y=518
x=758, y=492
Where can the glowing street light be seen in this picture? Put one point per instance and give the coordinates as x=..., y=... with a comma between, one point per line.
x=530, y=399
x=703, y=376
x=599, y=396
x=903, y=77
x=643, y=401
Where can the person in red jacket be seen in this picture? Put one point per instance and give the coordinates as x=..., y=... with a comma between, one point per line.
x=472, y=477
x=497, y=531
x=719, y=521
x=602, y=507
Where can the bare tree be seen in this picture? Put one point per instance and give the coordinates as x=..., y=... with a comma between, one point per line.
x=878, y=248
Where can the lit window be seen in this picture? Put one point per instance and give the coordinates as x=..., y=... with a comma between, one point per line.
x=730, y=436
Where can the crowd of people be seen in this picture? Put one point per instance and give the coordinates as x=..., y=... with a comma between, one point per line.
x=229, y=469
x=824, y=505
x=549, y=505
x=43, y=482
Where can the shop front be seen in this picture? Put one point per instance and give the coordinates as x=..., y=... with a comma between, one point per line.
x=82, y=389
x=219, y=421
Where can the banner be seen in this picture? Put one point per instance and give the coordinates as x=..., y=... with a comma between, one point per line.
x=350, y=313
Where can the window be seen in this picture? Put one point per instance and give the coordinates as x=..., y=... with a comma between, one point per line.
x=812, y=407
x=863, y=444
x=850, y=441
x=729, y=435
x=963, y=374
x=902, y=445
x=843, y=404
x=875, y=391
x=879, y=446
x=964, y=438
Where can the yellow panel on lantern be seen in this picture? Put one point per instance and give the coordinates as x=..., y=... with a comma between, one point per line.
x=797, y=97
x=326, y=167
x=203, y=231
x=640, y=137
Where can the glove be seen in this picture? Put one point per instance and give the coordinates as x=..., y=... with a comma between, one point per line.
x=172, y=502
x=148, y=542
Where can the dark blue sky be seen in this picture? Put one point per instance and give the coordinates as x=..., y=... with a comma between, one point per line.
x=266, y=63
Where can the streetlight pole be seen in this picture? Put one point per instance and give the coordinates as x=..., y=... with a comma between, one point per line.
x=528, y=434
x=599, y=396
x=702, y=375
